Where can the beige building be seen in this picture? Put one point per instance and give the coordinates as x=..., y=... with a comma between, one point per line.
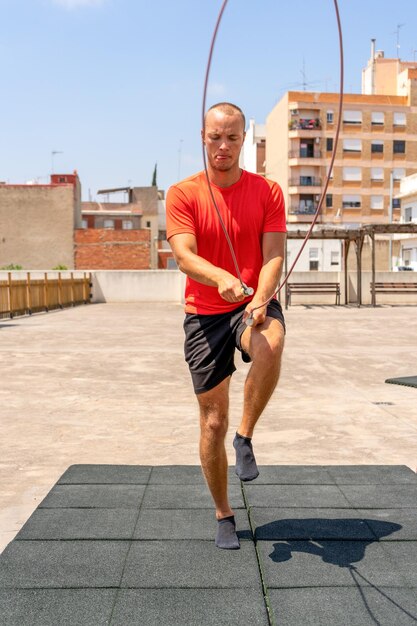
x=377, y=147
x=37, y=223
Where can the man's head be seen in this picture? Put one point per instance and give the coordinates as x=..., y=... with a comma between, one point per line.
x=223, y=135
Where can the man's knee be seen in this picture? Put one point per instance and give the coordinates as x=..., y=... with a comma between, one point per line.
x=268, y=347
x=213, y=413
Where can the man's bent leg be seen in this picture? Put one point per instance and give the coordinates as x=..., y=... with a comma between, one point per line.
x=264, y=344
x=214, y=409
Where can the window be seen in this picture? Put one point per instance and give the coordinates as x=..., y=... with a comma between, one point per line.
x=399, y=146
x=377, y=118
x=84, y=223
x=127, y=224
x=352, y=117
x=398, y=173
x=408, y=211
x=377, y=146
x=329, y=200
x=352, y=174
x=334, y=257
x=399, y=119
x=314, y=259
x=148, y=224
x=330, y=117
x=396, y=203
x=109, y=224
x=351, y=201
x=172, y=264
x=352, y=145
x=377, y=173
x=329, y=144
x=377, y=202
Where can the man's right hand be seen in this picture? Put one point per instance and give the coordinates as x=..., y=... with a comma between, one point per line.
x=230, y=289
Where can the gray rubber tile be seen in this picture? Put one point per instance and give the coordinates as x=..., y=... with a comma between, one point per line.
x=344, y=607
x=94, y=496
x=327, y=564
x=406, y=519
x=309, y=496
x=372, y=474
x=106, y=474
x=190, y=564
x=56, y=607
x=186, y=497
x=190, y=607
x=381, y=496
x=404, y=555
x=50, y=524
x=305, y=524
x=294, y=475
x=185, y=524
x=61, y=564
x=184, y=475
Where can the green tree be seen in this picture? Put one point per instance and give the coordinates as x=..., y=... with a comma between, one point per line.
x=154, y=183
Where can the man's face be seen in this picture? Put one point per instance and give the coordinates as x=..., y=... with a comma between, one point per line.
x=223, y=137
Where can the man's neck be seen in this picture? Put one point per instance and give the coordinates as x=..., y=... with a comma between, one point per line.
x=224, y=179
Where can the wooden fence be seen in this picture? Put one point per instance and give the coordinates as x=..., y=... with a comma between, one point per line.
x=25, y=296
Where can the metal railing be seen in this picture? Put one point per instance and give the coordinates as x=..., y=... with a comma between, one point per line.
x=305, y=181
x=305, y=124
x=24, y=296
x=303, y=210
x=301, y=154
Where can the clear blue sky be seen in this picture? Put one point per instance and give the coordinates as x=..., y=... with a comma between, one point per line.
x=116, y=85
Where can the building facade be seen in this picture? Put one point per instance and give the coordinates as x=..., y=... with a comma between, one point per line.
x=408, y=244
x=37, y=223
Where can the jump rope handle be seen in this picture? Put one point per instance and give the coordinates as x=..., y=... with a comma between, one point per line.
x=248, y=291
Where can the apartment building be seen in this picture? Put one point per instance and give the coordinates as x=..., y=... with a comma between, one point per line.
x=252, y=156
x=377, y=147
x=408, y=243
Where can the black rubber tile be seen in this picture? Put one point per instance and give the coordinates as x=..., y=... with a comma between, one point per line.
x=305, y=524
x=404, y=555
x=294, y=563
x=187, y=497
x=184, y=475
x=94, y=496
x=190, y=607
x=61, y=564
x=294, y=475
x=53, y=607
x=50, y=524
x=309, y=496
x=381, y=496
x=344, y=607
x=406, y=519
x=185, y=524
x=106, y=474
x=190, y=564
x=372, y=474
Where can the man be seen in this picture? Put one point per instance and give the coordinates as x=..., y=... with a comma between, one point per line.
x=216, y=308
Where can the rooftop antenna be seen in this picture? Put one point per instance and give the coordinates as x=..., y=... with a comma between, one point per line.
x=303, y=74
x=397, y=32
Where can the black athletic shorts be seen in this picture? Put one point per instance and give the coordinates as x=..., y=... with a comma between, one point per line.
x=210, y=342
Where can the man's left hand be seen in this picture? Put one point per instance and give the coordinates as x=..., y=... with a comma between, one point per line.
x=258, y=315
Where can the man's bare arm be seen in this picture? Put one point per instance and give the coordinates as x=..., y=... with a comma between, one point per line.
x=184, y=248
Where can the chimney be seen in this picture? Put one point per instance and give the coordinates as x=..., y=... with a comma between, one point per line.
x=373, y=49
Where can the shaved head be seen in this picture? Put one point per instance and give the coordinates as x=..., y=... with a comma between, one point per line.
x=228, y=109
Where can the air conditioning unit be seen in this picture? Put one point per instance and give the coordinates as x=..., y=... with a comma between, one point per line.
x=294, y=111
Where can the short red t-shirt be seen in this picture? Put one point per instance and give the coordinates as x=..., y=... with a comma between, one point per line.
x=252, y=206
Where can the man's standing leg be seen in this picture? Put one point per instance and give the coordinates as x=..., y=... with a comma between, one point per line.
x=214, y=414
x=264, y=344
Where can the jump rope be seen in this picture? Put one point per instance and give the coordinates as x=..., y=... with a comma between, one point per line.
x=246, y=290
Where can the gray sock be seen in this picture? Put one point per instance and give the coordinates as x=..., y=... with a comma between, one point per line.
x=226, y=536
x=246, y=467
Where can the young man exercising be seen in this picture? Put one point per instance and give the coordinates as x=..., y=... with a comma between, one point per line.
x=253, y=212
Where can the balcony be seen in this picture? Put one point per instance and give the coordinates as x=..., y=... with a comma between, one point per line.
x=305, y=154
x=303, y=209
x=305, y=181
x=305, y=124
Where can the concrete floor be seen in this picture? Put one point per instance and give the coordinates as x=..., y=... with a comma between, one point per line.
x=108, y=384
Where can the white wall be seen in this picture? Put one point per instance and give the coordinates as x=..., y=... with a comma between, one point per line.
x=138, y=286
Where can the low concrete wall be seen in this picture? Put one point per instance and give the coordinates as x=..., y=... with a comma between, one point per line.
x=138, y=286
x=388, y=277
x=311, y=278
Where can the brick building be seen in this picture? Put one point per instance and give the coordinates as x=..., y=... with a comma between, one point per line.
x=37, y=222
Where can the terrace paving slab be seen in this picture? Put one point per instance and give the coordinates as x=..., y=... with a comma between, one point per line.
x=143, y=561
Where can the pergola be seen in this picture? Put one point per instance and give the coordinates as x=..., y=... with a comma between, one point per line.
x=357, y=236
